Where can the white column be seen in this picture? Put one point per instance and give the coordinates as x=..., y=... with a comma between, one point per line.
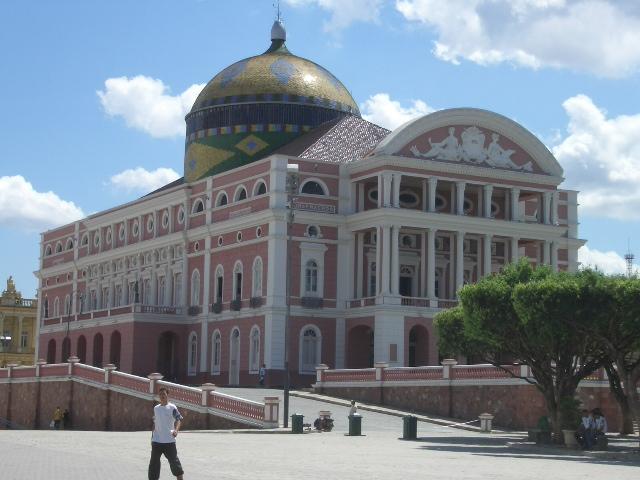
x=515, y=204
x=554, y=256
x=554, y=207
x=486, y=254
x=431, y=263
x=433, y=186
x=460, y=186
x=386, y=259
x=488, y=195
x=546, y=208
x=397, y=179
x=459, y=260
x=424, y=195
x=206, y=300
x=359, y=264
x=386, y=177
x=345, y=261
x=514, y=249
x=353, y=197
x=379, y=236
x=423, y=264
x=277, y=259
x=395, y=262
x=380, y=190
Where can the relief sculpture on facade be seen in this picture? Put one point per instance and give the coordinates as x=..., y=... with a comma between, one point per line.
x=471, y=150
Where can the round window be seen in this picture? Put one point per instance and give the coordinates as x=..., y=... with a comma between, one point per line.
x=196, y=246
x=312, y=231
x=373, y=195
x=495, y=209
x=220, y=241
x=440, y=203
x=121, y=233
x=408, y=199
x=96, y=239
x=239, y=236
x=259, y=232
x=150, y=224
x=136, y=228
x=181, y=215
x=109, y=237
x=165, y=219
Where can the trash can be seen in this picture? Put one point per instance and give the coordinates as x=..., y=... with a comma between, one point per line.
x=355, y=425
x=297, y=423
x=409, y=427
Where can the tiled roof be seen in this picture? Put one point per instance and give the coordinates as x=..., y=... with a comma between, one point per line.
x=338, y=141
x=175, y=183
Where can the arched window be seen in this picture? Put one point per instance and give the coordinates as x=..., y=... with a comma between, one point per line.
x=58, y=247
x=198, y=206
x=81, y=349
x=241, y=194
x=237, y=281
x=85, y=240
x=216, y=352
x=67, y=305
x=193, y=353
x=51, y=351
x=254, y=350
x=219, y=284
x=313, y=187
x=177, y=289
x=66, y=349
x=97, y=350
x=45, y=307
x=47, y=250
x=115, y=347
x=195, y=288
x=311, y=278
x=310, y=349
x=260, y=188
x=56, y=307
x=256, y=288
x=221, y=199
x=69, y=244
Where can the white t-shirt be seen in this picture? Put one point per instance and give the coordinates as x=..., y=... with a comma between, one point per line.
x=164, y=419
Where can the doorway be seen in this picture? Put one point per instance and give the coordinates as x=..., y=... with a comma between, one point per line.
x=167, y=355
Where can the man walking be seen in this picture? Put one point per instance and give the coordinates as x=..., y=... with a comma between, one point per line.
x=166, y=425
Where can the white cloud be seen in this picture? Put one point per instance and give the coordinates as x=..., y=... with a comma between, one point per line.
x=596, y=36
x=344, y=12
x=601, y=158
x=383, y=111
x=22, y=207
x=146, y=104
x=607, y=262
x=141, y=180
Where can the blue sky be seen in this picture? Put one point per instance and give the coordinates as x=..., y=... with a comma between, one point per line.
x=92, y=93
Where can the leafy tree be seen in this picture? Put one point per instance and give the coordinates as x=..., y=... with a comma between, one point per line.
x=522, y=312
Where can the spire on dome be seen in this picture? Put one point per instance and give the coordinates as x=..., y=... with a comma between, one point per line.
x=277, y=30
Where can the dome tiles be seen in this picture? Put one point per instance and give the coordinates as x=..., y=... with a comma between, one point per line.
x=257, y=105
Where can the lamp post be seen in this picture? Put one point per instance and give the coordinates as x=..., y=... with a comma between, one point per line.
x=292, y=188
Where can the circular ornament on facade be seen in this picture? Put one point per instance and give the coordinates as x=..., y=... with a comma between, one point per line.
x=408, y=199
x=165, y=219
x=196, y=246
x=373, y=195
x=150, y=224
x=441, y=203
x=96, y=239
x=121, y=233
x=313, y=231
x=181, y=215
x=239, y=236
x=109, y=236
x=135, y=228
x=259, y=232
x=495, y=209
x=220, y=241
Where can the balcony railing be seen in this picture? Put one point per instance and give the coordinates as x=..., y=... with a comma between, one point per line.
x=420, y=302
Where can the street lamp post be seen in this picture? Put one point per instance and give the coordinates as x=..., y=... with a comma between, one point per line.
x=292, y=188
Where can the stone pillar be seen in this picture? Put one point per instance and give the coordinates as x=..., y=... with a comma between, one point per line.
x=379, y=190
x=514, y=249
x=554, y=207
x=433, y=186
x=359, y=264
x=554, y=256
x=320, y=372
x=546, y=252
x=386, y=259
x=515, y=204
x=425, y=194
x=397, y=180
x=447, y=366
x=271, y=412
x=423, y=264
x=460, y=186
x=485, y=422
x=378, y=259
x=488, y=196
x=459, y=260
x=153, y=381
x=72, y=361
x=380, y=367
x=108, y=369
x=395, y=260
x=387, y=177
x=206, y=300
x=206, y=388
x=546, y=208
x=486, y=254
x=431, y=263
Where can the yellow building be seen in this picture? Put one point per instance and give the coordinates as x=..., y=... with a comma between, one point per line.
x=17, y=327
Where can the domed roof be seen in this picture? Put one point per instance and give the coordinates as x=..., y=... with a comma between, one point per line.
x=257, y=105
x=276, y=76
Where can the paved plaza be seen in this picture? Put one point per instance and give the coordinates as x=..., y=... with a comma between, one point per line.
x=440, y=452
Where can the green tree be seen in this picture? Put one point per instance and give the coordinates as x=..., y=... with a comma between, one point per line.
x=522, y=313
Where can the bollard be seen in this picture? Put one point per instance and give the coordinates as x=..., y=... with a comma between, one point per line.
x=485, y=422
x=409, y=427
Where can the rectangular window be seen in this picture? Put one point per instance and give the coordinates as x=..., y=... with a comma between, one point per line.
x=238, y=286
x=219, y=284
x=24, y=339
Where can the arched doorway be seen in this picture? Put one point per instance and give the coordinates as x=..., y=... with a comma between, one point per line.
x=81, y=349
x=114, y=348
x=234, y=358
x=97, y=350
x=167, y=355
x=66, y=349
x=418, y=346
x=360, y=347
x=51, y=351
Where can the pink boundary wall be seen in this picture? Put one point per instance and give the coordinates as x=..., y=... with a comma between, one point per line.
x=461, y=391
x=113, y=394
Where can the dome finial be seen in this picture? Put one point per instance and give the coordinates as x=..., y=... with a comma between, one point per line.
x=277, y=30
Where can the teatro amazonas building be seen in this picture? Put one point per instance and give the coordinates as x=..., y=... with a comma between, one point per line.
x=191, y=280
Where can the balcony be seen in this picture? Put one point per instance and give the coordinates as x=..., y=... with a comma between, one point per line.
x=417, y=302
x=132, y=309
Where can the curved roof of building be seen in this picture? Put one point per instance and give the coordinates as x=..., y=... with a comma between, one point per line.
x=276, y=76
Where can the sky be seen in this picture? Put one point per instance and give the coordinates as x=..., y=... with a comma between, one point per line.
x=93, y=93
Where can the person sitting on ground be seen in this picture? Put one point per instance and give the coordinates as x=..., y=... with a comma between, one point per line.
x=354, y=408
x=585, y=432
x=57, y=418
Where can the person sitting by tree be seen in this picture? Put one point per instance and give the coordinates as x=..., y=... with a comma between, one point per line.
x=585, y=432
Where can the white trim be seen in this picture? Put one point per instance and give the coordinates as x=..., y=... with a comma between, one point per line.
x=237, y=191
x=320, y=182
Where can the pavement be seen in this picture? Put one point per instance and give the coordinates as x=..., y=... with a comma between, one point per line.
x=440, y=452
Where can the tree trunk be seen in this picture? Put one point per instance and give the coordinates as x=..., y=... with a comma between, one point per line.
x=621, y=396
